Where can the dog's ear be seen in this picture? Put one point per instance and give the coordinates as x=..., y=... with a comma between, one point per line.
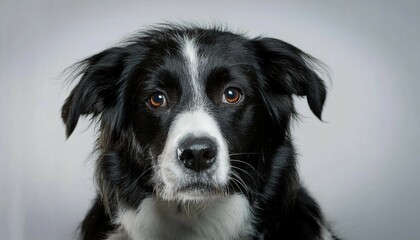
x=288, y=70
x=98, y=91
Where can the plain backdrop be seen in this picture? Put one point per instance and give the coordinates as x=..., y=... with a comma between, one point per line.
x=362, y=163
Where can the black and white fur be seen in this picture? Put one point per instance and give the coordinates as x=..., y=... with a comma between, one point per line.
x=251, y=190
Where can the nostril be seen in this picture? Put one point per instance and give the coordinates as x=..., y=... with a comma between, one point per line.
x=210, y=153
x=186, y=157
x=186, y=154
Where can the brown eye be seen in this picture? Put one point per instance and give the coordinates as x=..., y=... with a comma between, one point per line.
x=157, y=100
x=231, y=95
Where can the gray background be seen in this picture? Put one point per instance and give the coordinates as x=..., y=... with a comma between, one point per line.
x=362, y=164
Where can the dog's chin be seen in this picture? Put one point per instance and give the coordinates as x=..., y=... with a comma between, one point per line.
x=192, y=196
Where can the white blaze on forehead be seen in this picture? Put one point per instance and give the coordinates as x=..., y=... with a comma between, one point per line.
x=192, y=60
x=190, y=51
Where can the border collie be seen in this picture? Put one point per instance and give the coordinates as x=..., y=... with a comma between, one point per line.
x=194, y=137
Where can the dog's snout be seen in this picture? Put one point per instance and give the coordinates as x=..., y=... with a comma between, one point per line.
x=197, y=154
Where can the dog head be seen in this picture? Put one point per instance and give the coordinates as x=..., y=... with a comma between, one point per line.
x=191, y=113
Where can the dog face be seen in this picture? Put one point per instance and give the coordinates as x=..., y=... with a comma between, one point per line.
x=191, y=112
x=195, y=101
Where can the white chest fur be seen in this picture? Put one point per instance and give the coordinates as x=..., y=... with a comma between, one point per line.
x=225, y=218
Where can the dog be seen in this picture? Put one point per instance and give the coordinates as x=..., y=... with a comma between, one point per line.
x=194, y=138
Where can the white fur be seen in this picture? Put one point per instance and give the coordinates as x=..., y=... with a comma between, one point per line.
x=190, y=53
x=223, y=218
x=170, y=174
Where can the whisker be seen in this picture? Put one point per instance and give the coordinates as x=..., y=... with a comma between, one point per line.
x=252, y=168
x=138, y=178
x=245, y=186
x=233, y=180
x=242, y=183
x=240, y=188
x=247, y=173
x=206, y=204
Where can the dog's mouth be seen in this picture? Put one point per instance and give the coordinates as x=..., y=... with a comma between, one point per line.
x=202, y=188
x=196, y=192
x=199, y=194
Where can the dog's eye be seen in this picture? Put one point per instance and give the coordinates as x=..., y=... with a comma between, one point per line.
x=157, y=100
x=231, y=95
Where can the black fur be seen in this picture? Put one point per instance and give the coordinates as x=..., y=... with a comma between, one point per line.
x=115, y=83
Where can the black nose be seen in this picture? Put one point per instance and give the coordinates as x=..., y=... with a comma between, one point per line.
x=197, y=154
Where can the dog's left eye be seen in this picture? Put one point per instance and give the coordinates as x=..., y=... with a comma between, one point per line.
x=157, y=100
x=231, y=95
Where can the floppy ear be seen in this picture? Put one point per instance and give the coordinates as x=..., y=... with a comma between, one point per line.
x=289, y=70
x=98, y=91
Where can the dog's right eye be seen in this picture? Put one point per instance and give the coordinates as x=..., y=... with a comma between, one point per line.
x=231, y=95
x=157, y=100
